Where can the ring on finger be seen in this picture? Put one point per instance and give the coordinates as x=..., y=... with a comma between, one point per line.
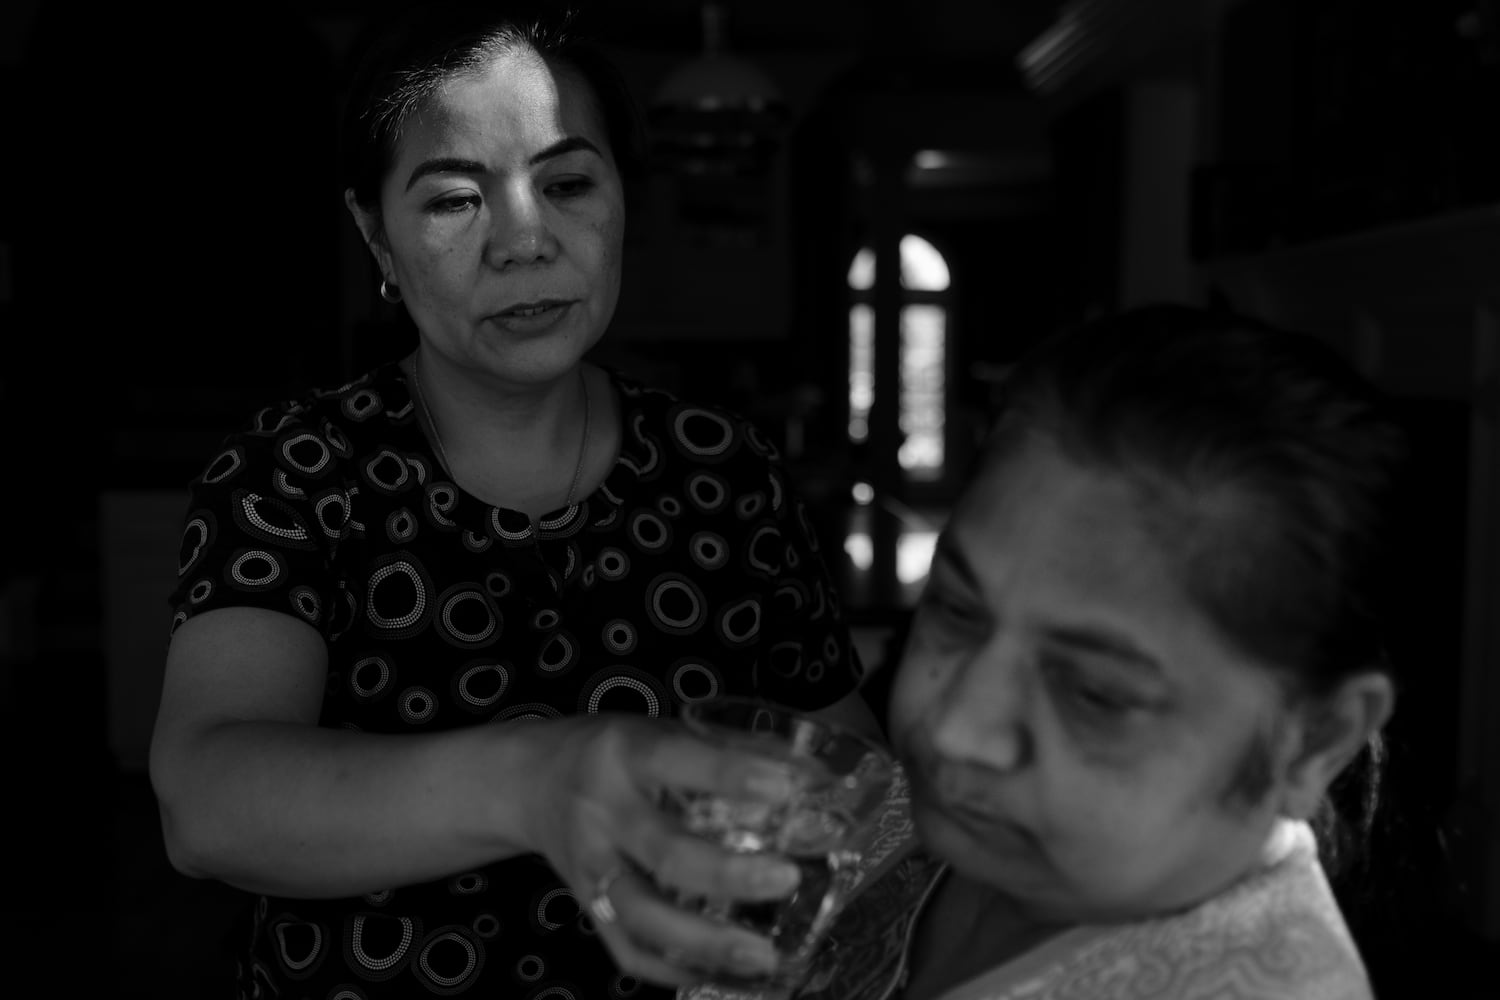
x=600, y=907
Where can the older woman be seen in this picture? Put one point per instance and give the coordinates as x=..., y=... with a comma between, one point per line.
x=429, y=622
x=1147, y=647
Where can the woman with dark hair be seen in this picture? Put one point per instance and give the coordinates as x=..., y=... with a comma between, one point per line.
x=430, y=624
x=1148, y=647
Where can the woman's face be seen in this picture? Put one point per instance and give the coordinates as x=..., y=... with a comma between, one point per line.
x=503, y=218
x=1078, y=734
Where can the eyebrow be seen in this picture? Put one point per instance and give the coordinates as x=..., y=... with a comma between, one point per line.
x=1103, y=642
x=457, y=165
x=1085, y=639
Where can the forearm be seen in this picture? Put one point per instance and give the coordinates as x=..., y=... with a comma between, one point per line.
x=298, y=810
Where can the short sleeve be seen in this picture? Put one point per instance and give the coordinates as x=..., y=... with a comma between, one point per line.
x=260, y=526
x=809, y=658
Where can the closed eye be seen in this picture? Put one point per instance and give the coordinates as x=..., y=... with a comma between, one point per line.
x=1100, y=699
x=953, y=613
x=455, y=204
x=1092, y=697
x=570, y=187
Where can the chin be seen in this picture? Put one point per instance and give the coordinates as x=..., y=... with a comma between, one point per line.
x=536, y=362
x=1001, y=862
x=1025, y=880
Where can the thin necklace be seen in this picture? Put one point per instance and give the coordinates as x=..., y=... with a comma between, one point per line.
x=437, y=438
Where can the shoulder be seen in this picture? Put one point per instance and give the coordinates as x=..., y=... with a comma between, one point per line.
x=1278, y=935
x=381, y=391
x=1286, y=936
x=310, y=435
x=1291, y=932
x=699, y=427
x=719, y=449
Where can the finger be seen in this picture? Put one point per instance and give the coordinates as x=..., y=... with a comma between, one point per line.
x=654, y=938
x=668, y=969
x=684, y=761
x=687, y=864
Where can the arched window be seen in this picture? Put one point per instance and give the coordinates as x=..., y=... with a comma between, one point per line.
x=924, y=335
x=923, y=392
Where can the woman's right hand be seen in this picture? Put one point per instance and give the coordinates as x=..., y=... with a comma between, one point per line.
x=598, y=822
x=254, y=793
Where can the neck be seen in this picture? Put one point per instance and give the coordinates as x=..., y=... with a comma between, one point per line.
x=469, y=406
x=965, y=930
x=521, y=446
x=998, y=916
x=977, y=927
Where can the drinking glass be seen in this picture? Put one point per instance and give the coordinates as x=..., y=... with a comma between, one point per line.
x=840, y=780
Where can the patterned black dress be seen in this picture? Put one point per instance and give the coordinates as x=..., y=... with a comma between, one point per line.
x=691, y=571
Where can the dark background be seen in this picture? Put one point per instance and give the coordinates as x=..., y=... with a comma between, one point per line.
x=176, y=253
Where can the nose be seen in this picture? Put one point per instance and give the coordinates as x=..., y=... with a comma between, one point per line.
x=520, y=230
x=983, y=714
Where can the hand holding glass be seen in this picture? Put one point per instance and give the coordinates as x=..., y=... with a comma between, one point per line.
x=839, y=781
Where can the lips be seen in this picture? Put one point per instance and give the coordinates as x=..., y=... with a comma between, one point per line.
x=527, y=310
x=956, y=793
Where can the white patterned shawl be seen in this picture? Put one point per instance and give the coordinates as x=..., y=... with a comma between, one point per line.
x=1276, y=935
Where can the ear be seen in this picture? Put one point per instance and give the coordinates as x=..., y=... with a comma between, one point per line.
x=1334, y=730
x=372, y=233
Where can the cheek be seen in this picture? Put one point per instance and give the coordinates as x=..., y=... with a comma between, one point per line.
x=434, y=261
x=433, y=270
x=607, y=238
x=1129, y=832
x=917, y=686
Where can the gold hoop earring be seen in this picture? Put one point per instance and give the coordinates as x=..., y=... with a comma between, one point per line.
x=389, y=292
